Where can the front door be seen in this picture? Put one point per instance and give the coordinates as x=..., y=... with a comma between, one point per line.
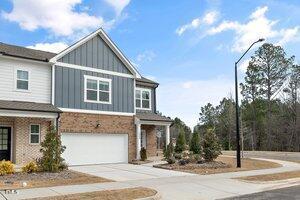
x=5, y=141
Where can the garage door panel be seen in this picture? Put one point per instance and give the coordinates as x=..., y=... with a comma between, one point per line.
x=84, y=149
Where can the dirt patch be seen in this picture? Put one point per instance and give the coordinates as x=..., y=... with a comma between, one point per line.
x=222, y=164
x=272, y=177
x=123, y=194
x=46, y=179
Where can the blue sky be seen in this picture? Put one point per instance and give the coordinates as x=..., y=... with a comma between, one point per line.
x=189, y=47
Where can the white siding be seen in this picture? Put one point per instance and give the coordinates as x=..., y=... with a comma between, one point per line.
x=39, y=81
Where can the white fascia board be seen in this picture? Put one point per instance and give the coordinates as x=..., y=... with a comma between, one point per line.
x=16, y=113
x=157, y=123
x=46, y=64
x=95, y=112
x=105, y=37
x=61, y=64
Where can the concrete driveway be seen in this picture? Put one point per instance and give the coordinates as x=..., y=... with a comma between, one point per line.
x=127, y=172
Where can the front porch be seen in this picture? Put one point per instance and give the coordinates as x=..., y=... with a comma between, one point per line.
x=23, y=126
x=147, y=132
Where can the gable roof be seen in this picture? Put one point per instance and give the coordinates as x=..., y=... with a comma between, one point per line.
x=23, y=52
x=108, y=41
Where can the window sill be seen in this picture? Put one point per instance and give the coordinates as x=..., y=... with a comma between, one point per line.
x=98, y=102
x=23, y=91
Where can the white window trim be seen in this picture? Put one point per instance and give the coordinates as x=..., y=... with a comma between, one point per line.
x=16, y=79
x=141, y=90
x=97, y=79
x=39, y=134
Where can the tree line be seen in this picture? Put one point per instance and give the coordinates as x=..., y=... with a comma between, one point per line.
x=269, y=110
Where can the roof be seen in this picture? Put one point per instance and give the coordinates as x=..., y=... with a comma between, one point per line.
x=23, y=52
x=146, y=82
x=28, y=106
x=149, y=116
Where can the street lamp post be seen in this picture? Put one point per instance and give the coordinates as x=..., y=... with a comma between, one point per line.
x=238, y=147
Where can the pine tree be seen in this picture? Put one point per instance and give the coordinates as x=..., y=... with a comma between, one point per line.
x=195, y=146
x=180, y=142
x=52, y=149
x=211, y=146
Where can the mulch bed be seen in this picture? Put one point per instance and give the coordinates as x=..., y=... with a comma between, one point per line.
x=121, y=194
x=222, y=164
x=46, y=179
x=192, y=166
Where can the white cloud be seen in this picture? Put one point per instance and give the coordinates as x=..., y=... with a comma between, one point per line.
x=51, y=47
x=208, y=19
x=258, y=26
x=183, y=99
x=147, y=55
x=289, y=35
x=57, y=16
x=118, y=5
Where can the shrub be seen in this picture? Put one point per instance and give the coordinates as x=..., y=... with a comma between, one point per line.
x=171, y=160
x=30, y=167
x=195, y=146
x=211, y=146
x=178, y=156
x=169, y=151
x=52, y=149
x=143, y=153
x=6, y=167
x=183, y=162
x=180, y=142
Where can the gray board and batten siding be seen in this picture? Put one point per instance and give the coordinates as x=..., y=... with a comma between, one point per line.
x=69, y=82
x=97, y=54
x=69, y=91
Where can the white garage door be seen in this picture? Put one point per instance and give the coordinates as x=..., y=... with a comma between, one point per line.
x=83, y=149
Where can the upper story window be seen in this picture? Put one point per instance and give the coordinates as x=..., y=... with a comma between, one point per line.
x=97, y=90
x=22, y=80
x=143, y=98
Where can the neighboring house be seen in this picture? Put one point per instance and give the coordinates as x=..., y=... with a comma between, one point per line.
x=104, y=109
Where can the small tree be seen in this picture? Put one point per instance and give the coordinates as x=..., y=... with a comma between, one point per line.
x=169, y=151
x=211, y=146
x=143, y=153
x=180, y=142
x=52, y=149
x=195, y=146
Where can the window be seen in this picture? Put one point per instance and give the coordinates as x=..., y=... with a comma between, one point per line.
x=22, y=80
x=142, y=98
x=34, y=134
x=97, y=90
x=4, y=139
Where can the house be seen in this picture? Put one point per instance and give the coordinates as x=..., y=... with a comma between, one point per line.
x=103, y=108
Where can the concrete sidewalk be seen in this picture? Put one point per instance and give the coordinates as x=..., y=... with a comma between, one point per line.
x=177, y=187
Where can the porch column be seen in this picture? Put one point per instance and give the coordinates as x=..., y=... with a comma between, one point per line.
x=138, y=140
x=167, y=134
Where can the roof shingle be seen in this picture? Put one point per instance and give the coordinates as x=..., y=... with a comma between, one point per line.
x=23, y=52
x=148, y=116
x=28, y=106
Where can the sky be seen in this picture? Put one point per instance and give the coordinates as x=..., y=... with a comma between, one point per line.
x=188, y=46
